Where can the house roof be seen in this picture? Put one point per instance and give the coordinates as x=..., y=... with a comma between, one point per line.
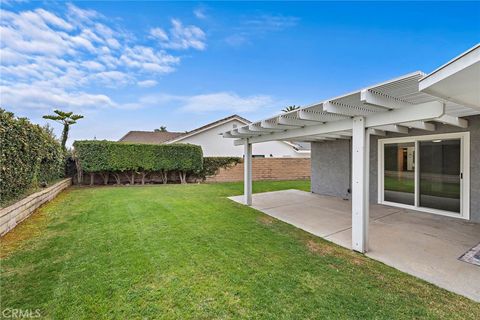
x=150, y=136
x=208, y=126
x=172, y=137
x=166, y=136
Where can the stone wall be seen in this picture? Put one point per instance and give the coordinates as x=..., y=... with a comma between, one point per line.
x=14, y=214
x=267, y=169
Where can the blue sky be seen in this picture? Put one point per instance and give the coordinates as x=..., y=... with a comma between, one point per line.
x=140, y=65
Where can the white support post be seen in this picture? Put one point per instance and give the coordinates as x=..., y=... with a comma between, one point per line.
x=247, y=168
x=360, y=205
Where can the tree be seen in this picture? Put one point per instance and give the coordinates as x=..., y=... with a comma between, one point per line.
x=290, y=108
x=66, y=119
x=162, y=129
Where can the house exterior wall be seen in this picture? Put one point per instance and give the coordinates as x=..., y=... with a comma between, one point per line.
x=214, y=145
x=331, y=168
x=332, y=156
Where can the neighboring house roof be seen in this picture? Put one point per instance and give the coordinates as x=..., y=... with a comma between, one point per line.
x=209, y=126
x=150, y=136
x=172, y=137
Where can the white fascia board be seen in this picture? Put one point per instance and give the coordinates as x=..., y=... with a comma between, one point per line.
x=374, y=99
x=453, y=66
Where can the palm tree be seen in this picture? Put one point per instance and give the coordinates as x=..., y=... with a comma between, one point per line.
x=162, y=129
x=66, y=119
x=290, y=108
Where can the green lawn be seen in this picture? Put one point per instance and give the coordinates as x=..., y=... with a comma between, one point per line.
x=427, y=187
x=187, y=252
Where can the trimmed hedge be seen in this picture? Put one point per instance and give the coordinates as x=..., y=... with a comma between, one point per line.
x=29, y=156
x=114, y=158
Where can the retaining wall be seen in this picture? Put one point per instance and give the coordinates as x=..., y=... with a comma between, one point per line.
x=14, y=214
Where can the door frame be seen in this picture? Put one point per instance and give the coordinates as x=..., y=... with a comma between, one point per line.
x=464, y=169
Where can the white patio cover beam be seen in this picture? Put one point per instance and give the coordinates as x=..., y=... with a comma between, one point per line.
x=272, y=125
x=375, y=99
x=347, y=110
x=335, y=136
x=419, y=112
x=360, y=206
x=294, y=121
x=393, y=128
x=257, y=128
x=318, y=129
x=247, y=168
x=246, y=131
x=376, y=132
x=453, y=121
x=319, y=116
x=422, y=125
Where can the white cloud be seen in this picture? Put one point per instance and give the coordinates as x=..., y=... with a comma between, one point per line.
x=266, y=23
x=147, y=83
x=28, y=97
x=200, y=13
x=76, y=51
x=259, y=26
x=226, y=101
x=180, y=37
x=204, y=103
x=54, y=20
x=77, y=14
x=159, y=34
x=236, y=40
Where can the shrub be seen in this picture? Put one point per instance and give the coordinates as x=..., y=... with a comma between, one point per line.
x=115, y=158
x=211, y=165
x=29, y=156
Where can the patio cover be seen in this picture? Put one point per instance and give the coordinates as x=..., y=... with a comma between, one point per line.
x=392, y=106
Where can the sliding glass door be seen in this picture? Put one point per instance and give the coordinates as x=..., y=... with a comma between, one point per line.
x=428, y=173
x=399, y=173
x=440, y=174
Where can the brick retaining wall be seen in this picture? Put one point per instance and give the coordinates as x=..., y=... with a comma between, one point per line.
x=14, y=214
x=267, y=169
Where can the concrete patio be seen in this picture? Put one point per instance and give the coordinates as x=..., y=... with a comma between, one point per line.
x=424, y=245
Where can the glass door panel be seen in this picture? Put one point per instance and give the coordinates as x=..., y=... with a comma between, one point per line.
x=440, y=174
x=399, y=173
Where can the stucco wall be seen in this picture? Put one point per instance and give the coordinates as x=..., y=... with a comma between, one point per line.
x=214, y=145
x=331, y=179
x=330, y=168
